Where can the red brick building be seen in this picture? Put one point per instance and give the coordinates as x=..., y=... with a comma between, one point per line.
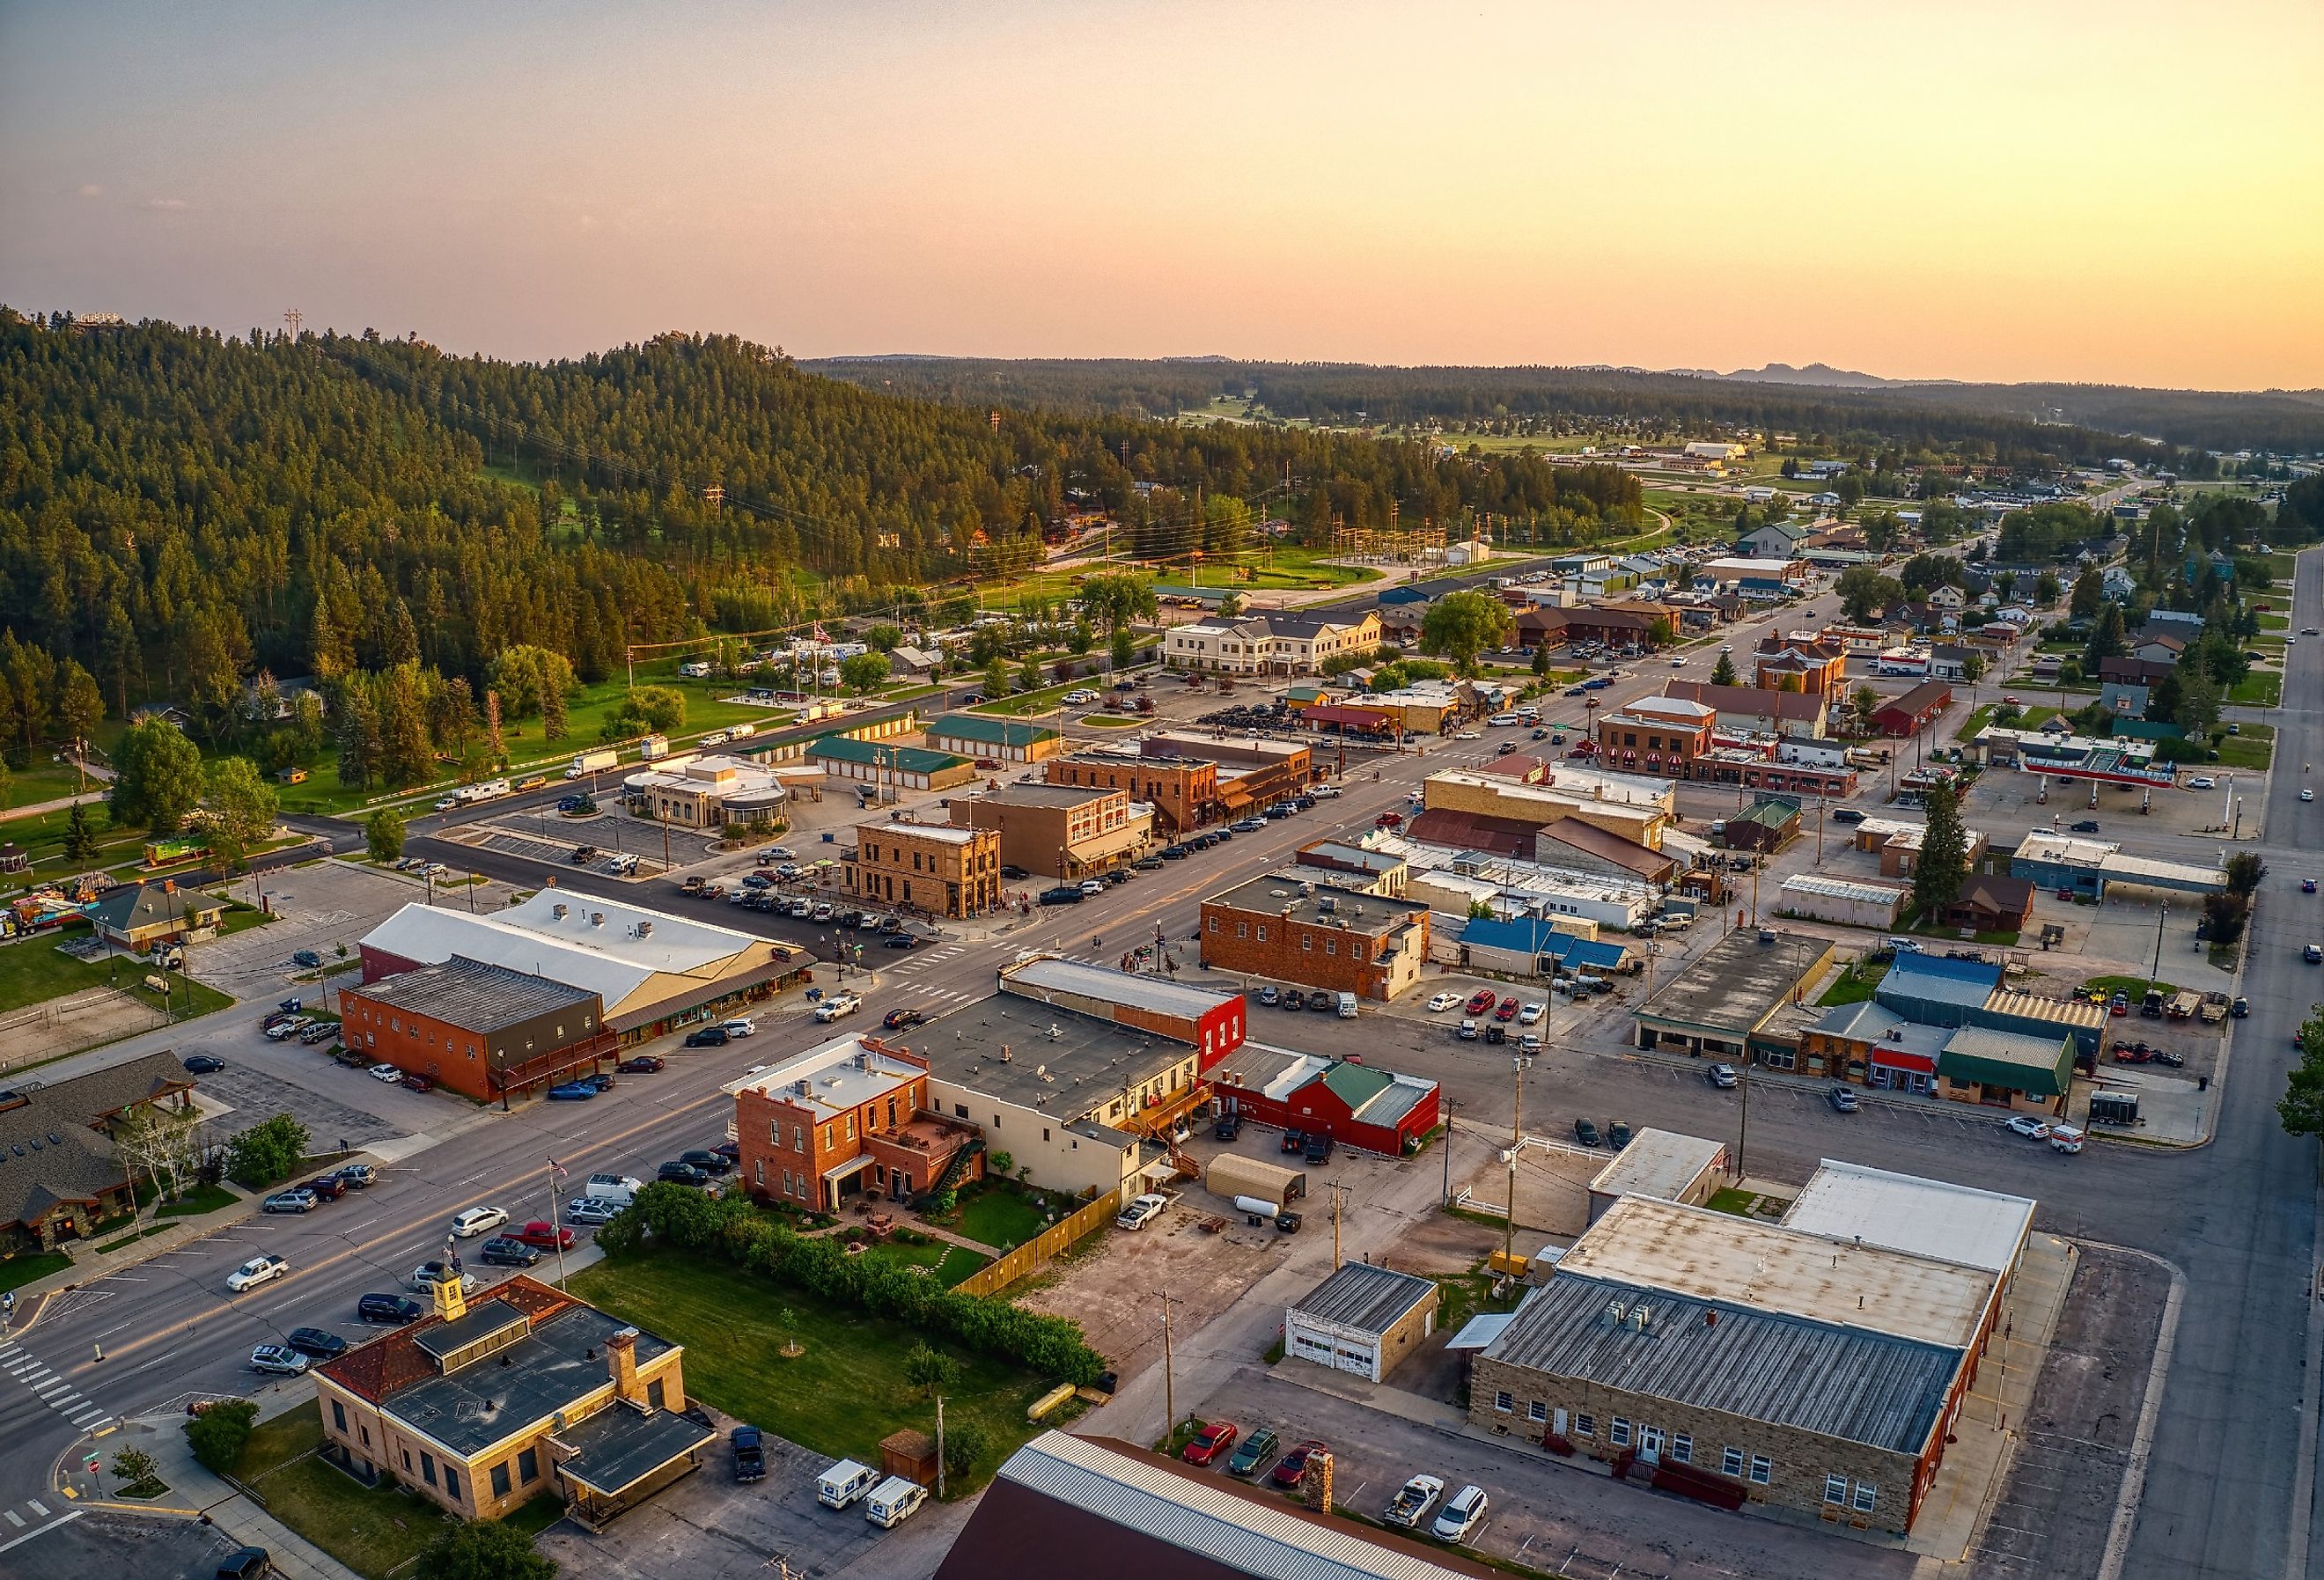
x=1914, y=711
x=1656, y=735
x=1368, y=945
x=1207, y=1018
x=848, y=1119
x=485, y=1031
x=1816, y=669
x=1183, y=790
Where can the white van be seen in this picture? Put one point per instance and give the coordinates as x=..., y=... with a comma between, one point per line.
x=620, y=1189
x=844, y=1483
x=1503, y=719
x=1346, y=1005
x=893, y=1500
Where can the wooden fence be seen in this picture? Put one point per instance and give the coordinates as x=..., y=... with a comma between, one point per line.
x=1040, y=1251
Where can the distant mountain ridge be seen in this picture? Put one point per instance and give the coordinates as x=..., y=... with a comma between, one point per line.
x=1819, y=374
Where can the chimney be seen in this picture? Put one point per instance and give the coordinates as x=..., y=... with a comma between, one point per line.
x=622, y=1365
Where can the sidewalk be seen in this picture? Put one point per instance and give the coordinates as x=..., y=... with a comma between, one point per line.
x=88, y=1269
x=195, y=1493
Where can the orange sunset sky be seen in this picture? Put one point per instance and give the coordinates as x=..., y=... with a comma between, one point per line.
x=2120, y=192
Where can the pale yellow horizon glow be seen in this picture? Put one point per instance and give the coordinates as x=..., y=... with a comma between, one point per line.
x=2063, y=192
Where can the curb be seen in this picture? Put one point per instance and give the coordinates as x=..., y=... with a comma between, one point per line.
x=2150, y=1409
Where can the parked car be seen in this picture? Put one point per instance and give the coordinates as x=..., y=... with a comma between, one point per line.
x=1618, y=1134
x=749, y=1454
x=1293, y=1140
x=2025, y=1125
x=1466, y=1030
x=389, y=1072
x=1141, y=1212
x=572, y=1092
x=321, y=1031
x=203, y=1064
x=708, y=1161
x=326, y=1187
x=430, y=1273
x=291, y=1201
x=900, y=940
x=738, y=1026
x=1063, y=894
x=1721, y=1075
x=677, y=1173
x=590, y=1210
x=501, y=1251
x=1318, y=1148
x=1532, y=1013
x=1291, y=998
x=475, y=1221
x=1439, y=1002
x=307, y=958
x=280, y=1359
x=1412, y=1501
x=1481, y=1000
x=1463, y=1517
x=1507, y=1010
x=1585, y=1131
x=640, y=1063
x=1228, y=1128
x=1214, y=1439
x=543, y=1235
x=245, y=1564
x=316, y=1343
x=1254, y=1453
x=257, y=1270
x=710, y=1037
x=389, y=1310
x=1842, y=1100
x=1292, y=1468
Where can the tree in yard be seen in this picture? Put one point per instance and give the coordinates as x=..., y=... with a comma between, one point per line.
x=965, y=1442
x=1230, y=606
x=996, y=679
x=1972, y=667
x=1865, y=592
x=1115, y=600
x=161, y=1143
x=1866, y=701
x=80, y=837
x=1944, y=855
x=1723, y=674
x=883, y=638
x=864, y=673
x=483, y=1550
x=2005, y=585
x=2198, y=711
x=2089, y=592
x=1541, y=660
x=270, y=1151
x=157, y=778
x=2107, y=639
x=2246, y=872
x=241, y=808
x=1462, y=624
x=218, y=1434
x=2048, y=589
x=2302, y=1107
x=928, y=1369
x=1122, y=647
x=384, y=835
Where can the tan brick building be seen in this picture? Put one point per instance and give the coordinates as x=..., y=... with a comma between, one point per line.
x=1656, y=735
x=851, y=1118
x=480, y=1407
x=1184, y=791
x=1369, y=945
x=1818, y=1367
x=941, y=868
x=1060, y=830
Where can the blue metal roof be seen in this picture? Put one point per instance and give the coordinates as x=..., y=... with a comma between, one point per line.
x=1929, y=979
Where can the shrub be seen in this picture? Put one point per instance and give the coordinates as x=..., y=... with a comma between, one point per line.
x=219, y=1433
x=965, y=1442
x=267, y=1152
x=483, y=1550
x=1003, y=1162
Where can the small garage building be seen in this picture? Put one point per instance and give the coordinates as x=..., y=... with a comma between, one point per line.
x=1362, y=1320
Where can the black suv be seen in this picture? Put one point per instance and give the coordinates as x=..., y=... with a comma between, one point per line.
x=1322, y=1001
x=501, y=1251
x=708, y=1162
x=1319, y=1147
x=677, y=1173
x=708, y=1037
x=389, y=1310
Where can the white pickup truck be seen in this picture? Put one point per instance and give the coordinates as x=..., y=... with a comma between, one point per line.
x=836, y=1006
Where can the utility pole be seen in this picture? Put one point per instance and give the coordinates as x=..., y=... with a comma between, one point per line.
x=940, y=1470
x=1336, y=1198
x=2162, y=914
x=1169, y=1382
x=1447, y=1144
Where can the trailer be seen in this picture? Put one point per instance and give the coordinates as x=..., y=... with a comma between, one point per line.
x=2183, y=1005
x=1231, y=1176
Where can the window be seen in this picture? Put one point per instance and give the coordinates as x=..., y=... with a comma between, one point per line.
x=1537, y=1411
x=407, y=1462
x=787, y=1182
x=1242, y=929
x=1585, y=1425
x=501, y=1482
x=759, y=1166
x=1682, y=1449
x=1866, y=1496
x=1262, y=932
x=654, y=1394
x=1618, y=1433
x=338, y=1416
x=1730, y=1461
x=1505, y=1401
x=960, y=1111
x=426, y=1467
x=1332, y=946
x=1835, y=1489
x=1307, y=942
x=1214, y=925
x=364, y=1433
x=1762, y=1468
x=451, y=1481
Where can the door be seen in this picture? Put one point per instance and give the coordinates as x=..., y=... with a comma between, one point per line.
x=1557, y=1422
x=1650, y=1445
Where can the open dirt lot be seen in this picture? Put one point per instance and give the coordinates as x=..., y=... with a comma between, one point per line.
x=1553, y=1185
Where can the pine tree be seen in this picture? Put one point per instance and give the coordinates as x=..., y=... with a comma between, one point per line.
x=1944, y=855
x=80, y=839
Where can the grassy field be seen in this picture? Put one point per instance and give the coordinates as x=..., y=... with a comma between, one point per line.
x=839, y=1397
x=2254, y=748
x=1112, y=721
x=33, y=971
x=16, y=1271
x=2259, y=688
x=952, y=1263
x=43, y=781
x=1031, y=703
x=373, y=1530
x=1855, y=985
x=2030, y=719
x=200, y=1199
x=998, y=1218
x=2132, y=986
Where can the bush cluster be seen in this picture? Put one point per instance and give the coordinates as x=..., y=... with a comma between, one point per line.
x=732, y=1228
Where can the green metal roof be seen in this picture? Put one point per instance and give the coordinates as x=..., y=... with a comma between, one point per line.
x=2037, y=1065
x=1355, y=1084
x=997, y=732
x=904, y=759
x=1775, y=812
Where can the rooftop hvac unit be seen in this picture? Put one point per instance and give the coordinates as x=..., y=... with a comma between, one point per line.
x=1642, y=1317
x=596, y=919
x=645, y=929
x=1614, y=1312
x=557, y=910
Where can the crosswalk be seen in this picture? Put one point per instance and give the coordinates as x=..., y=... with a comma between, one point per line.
x=51, y=1390
x=942, y=995
x=923, y=959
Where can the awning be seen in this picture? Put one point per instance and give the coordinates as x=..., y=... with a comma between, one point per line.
x=1898, y=1059
x=853, y=1165
x=1479, y=1331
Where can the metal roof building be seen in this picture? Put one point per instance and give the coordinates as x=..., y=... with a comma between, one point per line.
x=1903, y=1212
x=1362, y=1320
x=1119, y=1509
x=1719, y=1000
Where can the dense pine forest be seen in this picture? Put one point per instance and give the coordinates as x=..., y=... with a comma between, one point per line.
x=181, y=510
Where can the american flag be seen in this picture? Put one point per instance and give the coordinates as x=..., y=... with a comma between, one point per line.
x=555, y=1169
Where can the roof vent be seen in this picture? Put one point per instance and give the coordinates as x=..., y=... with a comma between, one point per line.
x=557, y=910
x=645, y=929
x=1614, y=1312
x=1642, y=1317
x=596, y=919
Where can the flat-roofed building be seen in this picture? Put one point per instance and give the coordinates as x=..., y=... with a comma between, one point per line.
x=1362, y=1320
x=1369, y=945
x=1184, y=791
x=1251, y=771
x=1744, y=1361
x=1637, y=808
x=851, y=1118
x=706, y=791
x=1062, y=831
x=941, y=868
x=1663, y=1166
x=1904, y=1212
x=1213, y=1020
x=1721, y=1001
x=485, y=1031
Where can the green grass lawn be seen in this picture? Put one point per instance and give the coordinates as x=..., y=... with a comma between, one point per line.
x=33, y=971
x=16, y=1271
x=2132, y=986
x=373, y=1530
x=1855, y=985
x=2030, y=718
x=240, y=917
x=43, y=781
x=999, y=1218
x=1031, y=704
x=2273, y=621
x=952, y=1263
x=2259, y=688
x=537, y=1515
x=197, y=1200
x=2253, y=747
x=839, y=1397
x=1113, y=721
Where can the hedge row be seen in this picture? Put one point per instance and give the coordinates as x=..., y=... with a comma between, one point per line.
x=732, y=1228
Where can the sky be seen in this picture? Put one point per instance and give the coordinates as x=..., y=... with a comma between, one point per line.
x=2031, y=190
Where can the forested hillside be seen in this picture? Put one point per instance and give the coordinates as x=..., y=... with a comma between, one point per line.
x=181, y=510
x=1995, y=424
